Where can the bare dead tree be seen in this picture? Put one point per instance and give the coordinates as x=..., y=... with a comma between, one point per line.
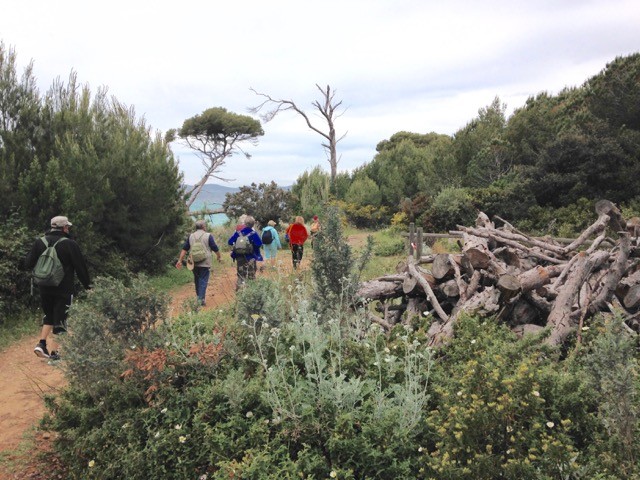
x=328, y=108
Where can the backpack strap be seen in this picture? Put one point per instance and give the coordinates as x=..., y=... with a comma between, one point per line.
x=46, y=244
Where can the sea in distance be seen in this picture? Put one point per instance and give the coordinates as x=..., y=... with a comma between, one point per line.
x=211, y=197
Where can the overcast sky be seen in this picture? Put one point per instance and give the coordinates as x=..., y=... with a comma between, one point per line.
x=414, y=65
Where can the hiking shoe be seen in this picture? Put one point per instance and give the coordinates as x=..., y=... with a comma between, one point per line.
x=41, y=351
x=54, y=355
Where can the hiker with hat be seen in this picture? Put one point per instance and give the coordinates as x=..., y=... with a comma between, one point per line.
x=56, y=295
x=199, y=246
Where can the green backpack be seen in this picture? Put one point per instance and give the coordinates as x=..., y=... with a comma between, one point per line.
x=48, y=271
x=198, y=251
x=243, y=245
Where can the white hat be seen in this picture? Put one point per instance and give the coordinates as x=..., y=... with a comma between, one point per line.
x=60, y=222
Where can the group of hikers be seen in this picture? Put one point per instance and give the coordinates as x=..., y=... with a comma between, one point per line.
x=56, y=259
x=247, y=247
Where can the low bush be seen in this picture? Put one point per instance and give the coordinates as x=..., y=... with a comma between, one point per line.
x=276, y=388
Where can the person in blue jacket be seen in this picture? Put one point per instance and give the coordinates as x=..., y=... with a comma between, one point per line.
x=246, y=262
x=271, y=249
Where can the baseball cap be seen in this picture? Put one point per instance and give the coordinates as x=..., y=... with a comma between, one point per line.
x=59, y=222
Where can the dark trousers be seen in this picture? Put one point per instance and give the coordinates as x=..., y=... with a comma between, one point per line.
x=201, y=279
x=296, y=254
x=56, y=309
x=246, y=270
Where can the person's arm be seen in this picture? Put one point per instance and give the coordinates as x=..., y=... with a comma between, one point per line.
x=183, y=252
x=79, y=265
x=233, y=238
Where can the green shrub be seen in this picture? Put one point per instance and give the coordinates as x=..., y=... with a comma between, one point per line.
x=451, y=207
x=390, y=242
x=507, y=408
x=113, y=319
x=567, y=221
x=15, y=242
x=610, y=361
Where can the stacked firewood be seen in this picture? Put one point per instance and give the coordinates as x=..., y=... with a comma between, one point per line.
x=528, y=282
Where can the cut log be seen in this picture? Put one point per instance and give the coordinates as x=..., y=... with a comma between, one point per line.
x=409, y=284
x=508, y=255
x=613, y=276
x=476, y=251
x=509, y=286
x=631, y=300
x=450, y=288
x=376, y=290
x=538, y=276
x=605, y=207
x=441, y=268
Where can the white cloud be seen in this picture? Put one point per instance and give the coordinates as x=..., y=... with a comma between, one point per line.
x=416, y=65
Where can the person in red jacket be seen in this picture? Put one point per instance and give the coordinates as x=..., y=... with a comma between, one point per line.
x=297, y=234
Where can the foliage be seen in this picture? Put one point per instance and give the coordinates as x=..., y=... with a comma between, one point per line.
x=364, y=191
x=264, y=300
x=614, y=377
x=478, y=147
x=215, y=135
x=264, y=202
x=405, y=166
x=332, y=266
x=18, y=325
x=21, y=125
x=311, y=192
x=286, y=389
x=15, y=241
x=451, y=207
x=560, y=222
x=507, y=408
x=89, y=158
x=366, y=216
x=112, y=320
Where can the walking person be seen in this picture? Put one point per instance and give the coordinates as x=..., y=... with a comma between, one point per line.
x=56, y=299
x=246, y=245
x=297, y=234
x=270, y=242
x=200, y=243
x=315, y=228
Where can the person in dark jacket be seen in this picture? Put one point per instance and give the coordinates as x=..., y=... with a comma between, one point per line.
x=56, y=301
x=246, y=263
x=201, y=270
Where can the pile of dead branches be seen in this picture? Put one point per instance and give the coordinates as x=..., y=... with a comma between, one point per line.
x=528, y=282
